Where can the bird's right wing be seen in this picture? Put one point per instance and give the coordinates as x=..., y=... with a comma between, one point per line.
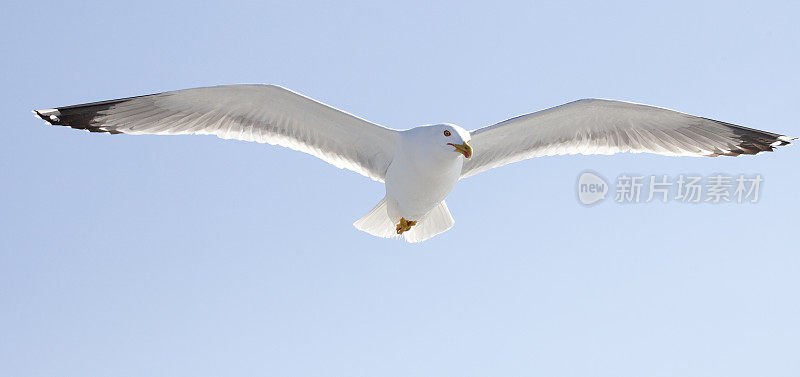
x=597, y=126
x=261, y=113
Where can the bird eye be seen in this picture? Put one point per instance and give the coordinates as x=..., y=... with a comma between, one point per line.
x=447, y=133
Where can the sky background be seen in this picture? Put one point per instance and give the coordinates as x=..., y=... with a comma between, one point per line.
x=195, y=256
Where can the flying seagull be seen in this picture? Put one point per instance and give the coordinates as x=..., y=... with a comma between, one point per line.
x=420, y=166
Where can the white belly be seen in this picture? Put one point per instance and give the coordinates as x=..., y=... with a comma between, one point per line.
x=413, y=188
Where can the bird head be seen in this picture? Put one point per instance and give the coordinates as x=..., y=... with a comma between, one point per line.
x=453, y=138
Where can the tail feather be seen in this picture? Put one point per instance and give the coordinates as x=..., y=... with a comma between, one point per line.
x=378, y=223
x=437, y=221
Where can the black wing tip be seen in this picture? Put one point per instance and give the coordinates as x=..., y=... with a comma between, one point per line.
x=753, y=145
x=79, y=117
x=50, y=116
x=751, y=141
x=784, y=140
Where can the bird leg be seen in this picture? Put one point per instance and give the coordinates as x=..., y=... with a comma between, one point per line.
x=404, y=225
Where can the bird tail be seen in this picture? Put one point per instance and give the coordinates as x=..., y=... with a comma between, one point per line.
x=378, y=223
x=438, y=220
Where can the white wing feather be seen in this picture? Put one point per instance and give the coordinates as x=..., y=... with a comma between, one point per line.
x=597, y=126
x=260, y=113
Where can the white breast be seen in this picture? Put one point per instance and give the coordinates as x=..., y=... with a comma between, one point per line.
x=419, y=179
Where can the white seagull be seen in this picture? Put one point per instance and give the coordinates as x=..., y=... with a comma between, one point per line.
x=420, y=166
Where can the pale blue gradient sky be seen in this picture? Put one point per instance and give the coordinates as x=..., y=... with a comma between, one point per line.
x=168, y=256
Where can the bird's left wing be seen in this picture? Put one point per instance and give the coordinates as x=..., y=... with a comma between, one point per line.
x=597, y=126
x=261, y=113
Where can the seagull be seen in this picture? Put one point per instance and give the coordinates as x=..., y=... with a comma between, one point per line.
x=419, y=166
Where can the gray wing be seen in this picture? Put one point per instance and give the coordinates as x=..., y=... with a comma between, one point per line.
x=260, y=113
x=597, y=126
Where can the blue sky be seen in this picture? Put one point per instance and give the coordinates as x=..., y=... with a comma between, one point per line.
x=162, y=256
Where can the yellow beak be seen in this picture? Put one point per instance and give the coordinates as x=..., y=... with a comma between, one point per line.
x=464, y=149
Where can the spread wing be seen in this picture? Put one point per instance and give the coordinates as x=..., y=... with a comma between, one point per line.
x=597, y=126
x=260, y=113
